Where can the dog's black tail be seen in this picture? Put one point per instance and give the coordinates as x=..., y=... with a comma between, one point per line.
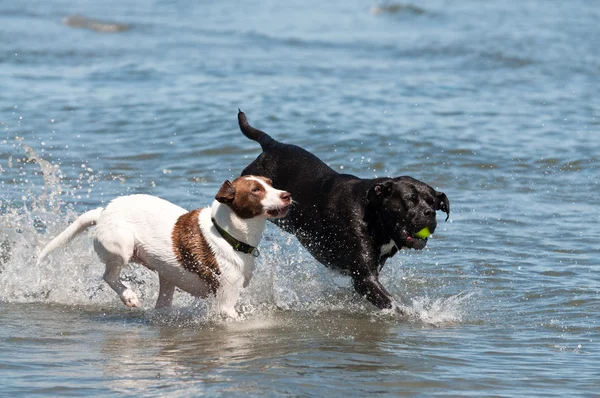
x=261, y=137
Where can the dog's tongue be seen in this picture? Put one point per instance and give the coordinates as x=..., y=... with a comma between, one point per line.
x=413, y=242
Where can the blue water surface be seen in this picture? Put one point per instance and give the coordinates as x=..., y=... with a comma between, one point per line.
x=493, y=103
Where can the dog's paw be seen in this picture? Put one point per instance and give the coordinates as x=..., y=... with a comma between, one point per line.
x=130, y=299
x=229, y=313
x=401, y=310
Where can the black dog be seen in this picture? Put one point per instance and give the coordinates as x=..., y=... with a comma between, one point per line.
x=346, y=222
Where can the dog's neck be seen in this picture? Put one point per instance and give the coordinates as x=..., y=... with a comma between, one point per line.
x=376, y=226
x=246, y=230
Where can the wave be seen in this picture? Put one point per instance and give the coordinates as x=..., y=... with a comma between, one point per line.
x=81, y=22
x=397, y=8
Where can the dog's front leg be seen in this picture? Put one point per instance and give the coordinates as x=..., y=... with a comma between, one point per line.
x=369, y=287
x=227, y=298
x=248, y=271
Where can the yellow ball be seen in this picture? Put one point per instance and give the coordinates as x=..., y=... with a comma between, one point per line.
x=424, y=233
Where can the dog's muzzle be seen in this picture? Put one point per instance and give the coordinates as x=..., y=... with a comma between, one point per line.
x=279, y=212
x=409, y=240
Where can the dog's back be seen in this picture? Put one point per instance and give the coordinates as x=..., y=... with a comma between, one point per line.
x=204, y=251
x=344, y=221
x=285, y=164
x=148, y=219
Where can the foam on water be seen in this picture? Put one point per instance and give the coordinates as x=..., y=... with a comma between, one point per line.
x=287, y=278
x=441, y=311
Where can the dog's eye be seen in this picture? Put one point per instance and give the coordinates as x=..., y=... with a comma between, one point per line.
x=256, y=189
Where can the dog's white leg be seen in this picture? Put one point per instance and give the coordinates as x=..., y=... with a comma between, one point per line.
x=165, y=294
x=227, y=298
x=115, y=248
x=112, y=277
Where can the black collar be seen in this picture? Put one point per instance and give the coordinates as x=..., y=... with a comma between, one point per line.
x=236, y=244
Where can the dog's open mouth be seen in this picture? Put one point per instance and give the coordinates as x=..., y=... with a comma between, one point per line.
x=411, y=240
x=278, y=212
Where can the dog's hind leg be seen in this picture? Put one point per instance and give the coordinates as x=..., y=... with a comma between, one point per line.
x=165, y=294
x=115, y=253
x=112, y=276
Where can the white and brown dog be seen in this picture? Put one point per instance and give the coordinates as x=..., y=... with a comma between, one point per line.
x=204, y=251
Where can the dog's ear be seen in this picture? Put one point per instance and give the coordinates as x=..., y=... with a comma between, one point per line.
x=379, y=191
x=226, y=193
x=443, y=204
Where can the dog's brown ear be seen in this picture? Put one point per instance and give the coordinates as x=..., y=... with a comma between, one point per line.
x=226, y=193
x=443, y=204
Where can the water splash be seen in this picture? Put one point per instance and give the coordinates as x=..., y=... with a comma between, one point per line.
x=50, y=197
x=287, y=279
x=443, y=311
x=33, y=214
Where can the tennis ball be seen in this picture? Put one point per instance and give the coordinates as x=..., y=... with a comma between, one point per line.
x=424, y=233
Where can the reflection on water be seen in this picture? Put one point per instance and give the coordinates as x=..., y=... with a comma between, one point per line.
x=239, y=353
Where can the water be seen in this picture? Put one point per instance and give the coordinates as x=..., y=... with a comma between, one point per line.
x=493, y=103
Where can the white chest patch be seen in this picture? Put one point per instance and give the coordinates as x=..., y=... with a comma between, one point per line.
x=386, y=248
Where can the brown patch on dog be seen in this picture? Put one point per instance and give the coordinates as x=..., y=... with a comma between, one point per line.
x=193, y=252
x=244, y=195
